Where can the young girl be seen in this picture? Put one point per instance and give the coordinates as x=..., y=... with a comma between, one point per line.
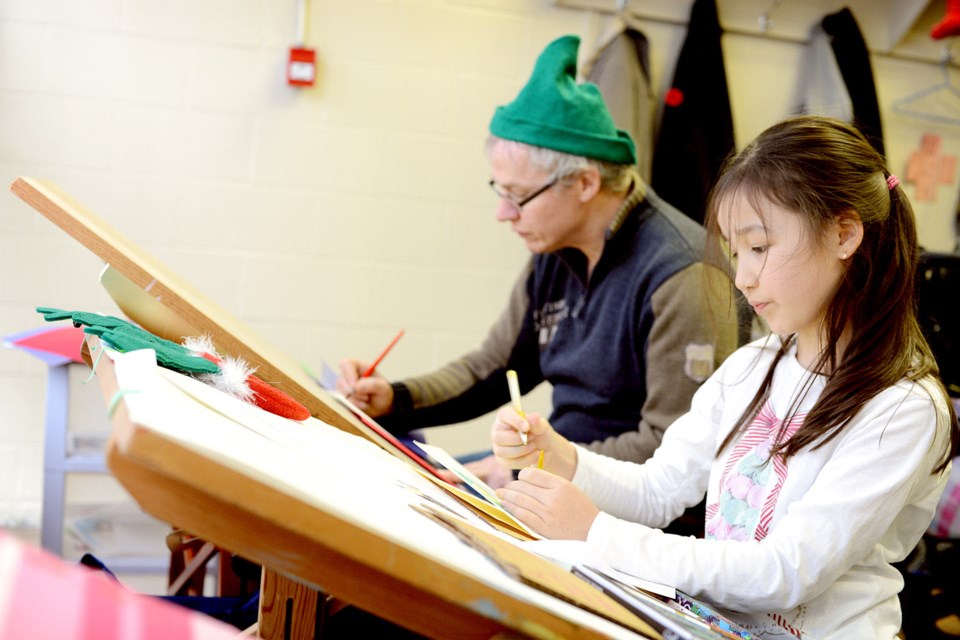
x=822, y=448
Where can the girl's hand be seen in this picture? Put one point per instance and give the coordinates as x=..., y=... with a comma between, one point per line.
x=559, y=455
x=549, y=504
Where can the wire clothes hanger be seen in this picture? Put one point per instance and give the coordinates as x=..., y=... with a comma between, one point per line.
x=625, y=18
x=943, y=94
x=624, y=21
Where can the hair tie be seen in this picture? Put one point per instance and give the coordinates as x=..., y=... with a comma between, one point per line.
x=892, y=181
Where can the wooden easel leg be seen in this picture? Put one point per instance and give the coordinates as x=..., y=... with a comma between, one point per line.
x=191, y=578
x=288, y=609
x=188, y=561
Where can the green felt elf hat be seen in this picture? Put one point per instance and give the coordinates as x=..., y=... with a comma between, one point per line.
x=555, y=112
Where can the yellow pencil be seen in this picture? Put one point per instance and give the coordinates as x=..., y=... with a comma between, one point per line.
x=514, y=385
x=540, y=460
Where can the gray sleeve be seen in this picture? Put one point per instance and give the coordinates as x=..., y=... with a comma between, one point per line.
x=456, y=377
x=694, y=329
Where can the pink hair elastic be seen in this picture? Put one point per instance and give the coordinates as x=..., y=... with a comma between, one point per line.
x=892, y=181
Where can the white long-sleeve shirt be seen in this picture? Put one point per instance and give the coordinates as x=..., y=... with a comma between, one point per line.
x=796, y=549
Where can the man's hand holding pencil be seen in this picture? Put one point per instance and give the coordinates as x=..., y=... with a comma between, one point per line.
x=358, y=381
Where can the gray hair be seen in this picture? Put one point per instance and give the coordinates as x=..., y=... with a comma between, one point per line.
x=616, y=178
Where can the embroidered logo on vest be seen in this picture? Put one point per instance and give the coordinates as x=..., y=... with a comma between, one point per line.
x=546, y=319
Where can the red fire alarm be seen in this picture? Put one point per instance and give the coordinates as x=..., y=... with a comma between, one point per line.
x=302, y=67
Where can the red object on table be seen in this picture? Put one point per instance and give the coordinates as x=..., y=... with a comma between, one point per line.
x=55, y=345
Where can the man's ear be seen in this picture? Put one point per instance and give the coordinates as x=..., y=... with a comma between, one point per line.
x=849, y=232
x=588, y=180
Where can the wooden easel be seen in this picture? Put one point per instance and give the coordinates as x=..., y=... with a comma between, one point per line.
x=307, y=551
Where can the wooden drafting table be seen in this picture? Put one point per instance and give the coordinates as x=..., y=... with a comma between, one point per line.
x=314, y=502
x=289, y=504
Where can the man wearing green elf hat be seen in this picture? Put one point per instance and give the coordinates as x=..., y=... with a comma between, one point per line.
x=611, y=309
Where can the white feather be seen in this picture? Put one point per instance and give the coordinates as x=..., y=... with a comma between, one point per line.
x=234, y=372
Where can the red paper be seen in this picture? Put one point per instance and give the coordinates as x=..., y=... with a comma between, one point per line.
x=55, y=345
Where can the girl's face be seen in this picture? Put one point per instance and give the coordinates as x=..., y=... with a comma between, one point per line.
x=787, y=275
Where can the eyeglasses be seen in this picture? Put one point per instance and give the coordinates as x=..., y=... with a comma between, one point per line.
x=519, y=204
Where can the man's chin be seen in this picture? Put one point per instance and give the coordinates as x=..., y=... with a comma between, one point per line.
x=536, y=247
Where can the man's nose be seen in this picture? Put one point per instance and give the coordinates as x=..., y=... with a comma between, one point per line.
x=506, y=211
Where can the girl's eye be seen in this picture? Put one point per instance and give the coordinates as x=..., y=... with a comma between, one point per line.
x=759, y=249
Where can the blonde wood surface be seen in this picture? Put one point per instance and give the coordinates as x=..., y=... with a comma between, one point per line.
x=323, y=560
x=288, y=609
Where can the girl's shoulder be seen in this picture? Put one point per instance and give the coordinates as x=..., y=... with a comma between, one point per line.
x=926, y=390
x=915, y=413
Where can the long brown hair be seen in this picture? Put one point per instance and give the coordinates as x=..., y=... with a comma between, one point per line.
x=821, y=168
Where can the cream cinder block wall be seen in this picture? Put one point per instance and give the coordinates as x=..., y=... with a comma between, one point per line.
x=326, y=218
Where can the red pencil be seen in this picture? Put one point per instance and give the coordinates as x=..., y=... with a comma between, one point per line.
x=383, y=354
